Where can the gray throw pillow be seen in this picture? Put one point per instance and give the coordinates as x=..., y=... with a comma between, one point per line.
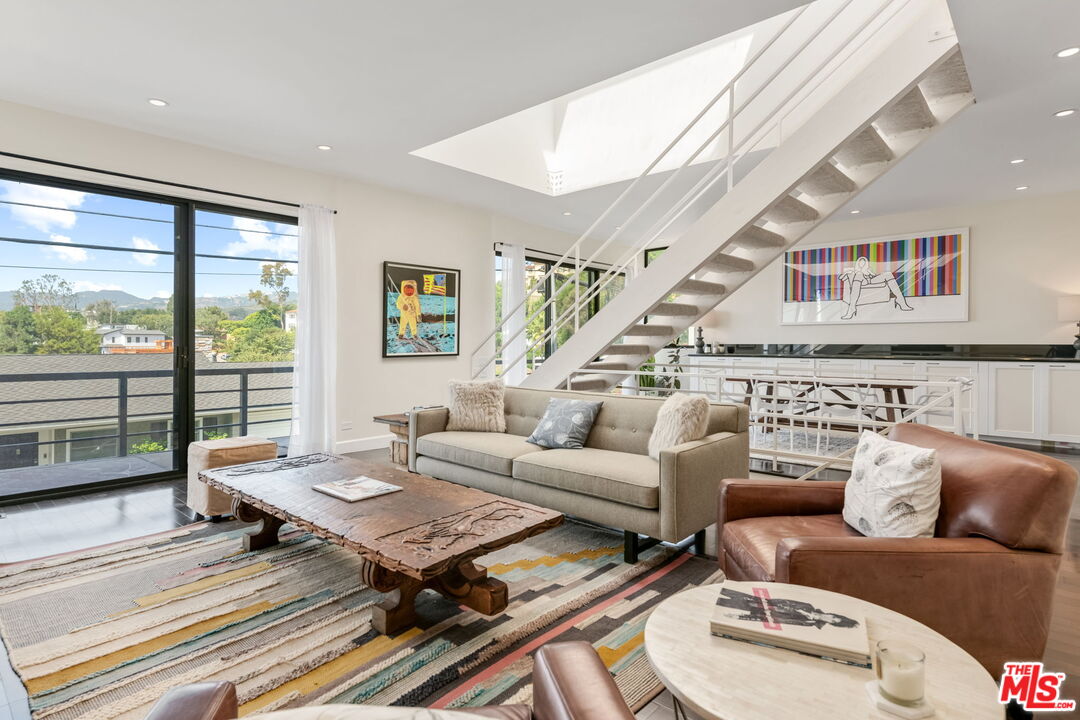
x=566, y=423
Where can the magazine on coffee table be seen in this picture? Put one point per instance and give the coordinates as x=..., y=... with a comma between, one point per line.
x=357, y=488
x=799, y=619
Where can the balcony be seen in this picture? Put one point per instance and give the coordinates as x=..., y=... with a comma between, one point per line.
x=76, y=420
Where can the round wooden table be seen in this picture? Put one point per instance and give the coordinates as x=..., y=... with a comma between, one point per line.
x=723, y=679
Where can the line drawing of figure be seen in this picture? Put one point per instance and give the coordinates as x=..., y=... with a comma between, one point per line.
x=408, y=304
x=781, y=611
x=854, y=280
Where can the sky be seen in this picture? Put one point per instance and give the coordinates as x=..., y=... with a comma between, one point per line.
x=68, y=217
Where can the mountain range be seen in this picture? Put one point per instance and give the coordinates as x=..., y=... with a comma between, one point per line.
x=127, y=301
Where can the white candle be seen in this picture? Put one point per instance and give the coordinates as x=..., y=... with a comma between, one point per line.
x=900, y=672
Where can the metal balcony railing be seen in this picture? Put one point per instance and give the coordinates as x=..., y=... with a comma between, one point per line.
x=126, y=410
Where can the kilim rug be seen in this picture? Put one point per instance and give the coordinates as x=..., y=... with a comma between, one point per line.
x=103, y=633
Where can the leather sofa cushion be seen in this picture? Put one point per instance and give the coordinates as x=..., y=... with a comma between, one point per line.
x=751, y=542
x=621, y=477
x=494, y=452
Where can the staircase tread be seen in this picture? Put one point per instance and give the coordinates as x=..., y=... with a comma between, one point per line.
x=673, y=309
x=652, y=330
x=756, y=237
x=790, y=209
x=700, y=287
x=725, y=262
x=950, y=78
x=866, y=148
x=910, y=113
x=827, y=180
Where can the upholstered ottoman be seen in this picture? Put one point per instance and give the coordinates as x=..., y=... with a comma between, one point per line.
x=207, y=454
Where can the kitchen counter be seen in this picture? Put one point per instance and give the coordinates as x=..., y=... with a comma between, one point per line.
x=984, y=353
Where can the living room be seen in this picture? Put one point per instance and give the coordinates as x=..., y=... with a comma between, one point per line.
x=470, y=360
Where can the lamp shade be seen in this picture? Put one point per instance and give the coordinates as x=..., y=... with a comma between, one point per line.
x=1069, y=309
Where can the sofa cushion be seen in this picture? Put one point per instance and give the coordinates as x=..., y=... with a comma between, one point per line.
x=621, y=477
x=494, y=452
x=751, y=542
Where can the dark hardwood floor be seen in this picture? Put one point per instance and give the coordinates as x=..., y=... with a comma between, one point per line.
x=48, y=527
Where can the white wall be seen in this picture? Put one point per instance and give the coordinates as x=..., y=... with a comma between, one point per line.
x=373, y=224
x=1024, y=255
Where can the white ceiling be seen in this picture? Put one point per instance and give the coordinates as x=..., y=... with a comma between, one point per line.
x=376, y=80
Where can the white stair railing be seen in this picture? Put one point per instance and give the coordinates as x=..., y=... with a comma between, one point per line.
x=483, y=358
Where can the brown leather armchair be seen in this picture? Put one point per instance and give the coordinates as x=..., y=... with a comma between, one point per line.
x=570, y=682
x=985, y=580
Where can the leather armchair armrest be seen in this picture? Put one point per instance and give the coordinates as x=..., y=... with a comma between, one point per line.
x=745, y=498
x=689, y=476
x=425, y=422
x=992, y=601
x=570, y=682
x=197, y=701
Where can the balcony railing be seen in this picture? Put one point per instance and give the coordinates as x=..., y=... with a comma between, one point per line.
x=123, y=398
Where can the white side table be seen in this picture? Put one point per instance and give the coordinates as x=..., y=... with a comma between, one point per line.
x=723, y=679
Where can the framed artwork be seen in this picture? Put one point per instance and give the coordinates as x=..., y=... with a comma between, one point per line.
x=420, y=310
x=921, y=277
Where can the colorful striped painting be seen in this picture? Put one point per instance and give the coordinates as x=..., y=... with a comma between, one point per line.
x=923, y=267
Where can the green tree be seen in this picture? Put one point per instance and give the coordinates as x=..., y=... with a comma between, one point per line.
x=274, y=278
x=46, y=291
x=18, y=332
x=161, y=320
x=257, y=338
x=102, y=312
x=63, y=333
x=211, y=320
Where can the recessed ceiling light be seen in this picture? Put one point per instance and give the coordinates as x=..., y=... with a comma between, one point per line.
x=323, y=147
x=1017, y=161
x=856, y=212
x=1065, y=113
x=1021, y=187
x=567, y=212
x=1067, y=52
x=157, y=102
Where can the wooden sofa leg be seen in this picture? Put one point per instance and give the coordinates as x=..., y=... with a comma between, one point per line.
x=699, y=542
x=634, y=545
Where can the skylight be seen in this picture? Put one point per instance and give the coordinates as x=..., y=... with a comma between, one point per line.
x=609, y=132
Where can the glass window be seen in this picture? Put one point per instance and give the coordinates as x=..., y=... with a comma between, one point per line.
x=650, y=255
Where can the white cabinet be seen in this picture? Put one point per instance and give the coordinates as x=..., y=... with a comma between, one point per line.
x=1013, y=399
x=1061, y=397
x=837, y=367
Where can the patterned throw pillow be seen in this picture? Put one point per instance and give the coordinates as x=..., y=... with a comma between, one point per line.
x=681, y=418
x=566, y=423
x=894, y=489
x=477, y=406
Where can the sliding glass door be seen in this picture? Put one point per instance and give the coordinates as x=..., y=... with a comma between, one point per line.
x=131, y=324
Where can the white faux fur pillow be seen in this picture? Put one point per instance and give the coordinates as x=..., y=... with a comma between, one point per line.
x=477, y=405
x=894, y=489
x=682, y=418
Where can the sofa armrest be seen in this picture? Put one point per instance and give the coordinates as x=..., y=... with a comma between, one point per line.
x=197, y=701
x=570, y=682
x=744, y=498
x=689, y=476
x=992, y=601
x=425, y=422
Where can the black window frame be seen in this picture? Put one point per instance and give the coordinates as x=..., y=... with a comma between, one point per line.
x=183, y=315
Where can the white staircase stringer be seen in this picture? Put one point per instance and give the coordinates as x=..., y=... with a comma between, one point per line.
x=884, y=82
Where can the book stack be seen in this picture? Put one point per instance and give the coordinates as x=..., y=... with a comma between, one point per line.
x=802, y=620
x=357, y=488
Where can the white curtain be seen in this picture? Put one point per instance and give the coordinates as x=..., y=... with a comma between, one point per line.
x=314, y=379
x=513, y=264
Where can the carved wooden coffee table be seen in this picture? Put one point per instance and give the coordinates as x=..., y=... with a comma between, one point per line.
x=425, y=536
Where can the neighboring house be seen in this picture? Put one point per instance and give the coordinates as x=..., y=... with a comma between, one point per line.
x=290, y=319
x=129, y=339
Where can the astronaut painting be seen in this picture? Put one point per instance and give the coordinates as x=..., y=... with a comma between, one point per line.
x=420, y=310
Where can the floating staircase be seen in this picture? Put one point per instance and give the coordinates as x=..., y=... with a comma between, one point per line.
x=915, y=82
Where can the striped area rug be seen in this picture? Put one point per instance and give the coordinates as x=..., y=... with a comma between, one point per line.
x=103, y=633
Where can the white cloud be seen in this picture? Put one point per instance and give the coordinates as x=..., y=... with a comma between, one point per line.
x=147, y=259
x=256, y=238
x=67, y=254
x=85, y=286
x=166, y=294
x=43, y=219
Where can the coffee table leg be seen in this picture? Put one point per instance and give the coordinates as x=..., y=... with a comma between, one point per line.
x=469, y=585
x=263, y=536
x=398, y=610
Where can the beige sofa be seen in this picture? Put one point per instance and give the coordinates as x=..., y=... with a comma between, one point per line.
x=611, y=481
